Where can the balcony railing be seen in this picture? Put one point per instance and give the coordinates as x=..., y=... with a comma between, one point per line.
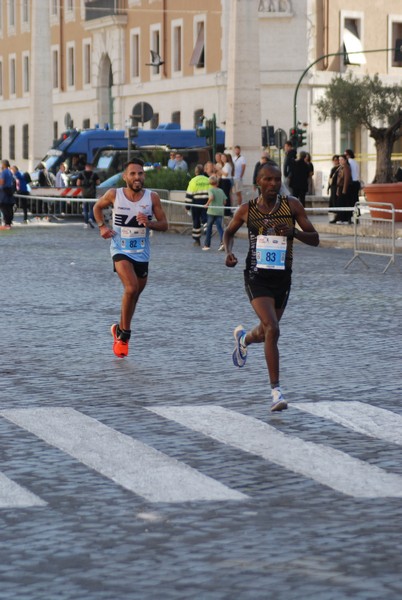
x=97, y=9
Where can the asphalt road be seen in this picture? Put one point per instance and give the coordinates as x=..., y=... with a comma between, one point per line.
x=164, y=475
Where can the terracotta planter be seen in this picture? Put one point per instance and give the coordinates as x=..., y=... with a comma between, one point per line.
x=385, y=192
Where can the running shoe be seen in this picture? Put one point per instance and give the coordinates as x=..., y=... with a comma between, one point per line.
x=278, y=401
x=239, y=355
x=120, y=348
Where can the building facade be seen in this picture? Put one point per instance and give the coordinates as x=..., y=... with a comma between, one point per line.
x=84, y=63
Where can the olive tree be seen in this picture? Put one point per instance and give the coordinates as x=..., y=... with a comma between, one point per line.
x=367, y=102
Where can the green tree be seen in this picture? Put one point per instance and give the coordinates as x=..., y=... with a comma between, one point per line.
x=367, y=102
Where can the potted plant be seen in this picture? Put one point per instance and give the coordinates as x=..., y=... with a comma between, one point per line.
x=367, y=102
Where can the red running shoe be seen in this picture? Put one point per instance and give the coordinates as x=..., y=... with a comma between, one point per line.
x=120, y=348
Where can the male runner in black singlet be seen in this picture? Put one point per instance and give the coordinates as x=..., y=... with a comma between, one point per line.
x=270, y=220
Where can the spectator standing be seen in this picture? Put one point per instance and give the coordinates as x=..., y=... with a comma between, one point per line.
x=290, y=157
x=310, y=190
x=197, y=192
x=264, y=159
x=88, y=180
x=239, y=169
x=344, y=190
x=332, y=188
x=355, y=174
x=7, y=199
x=172, y=161
x=215, y=204
x=218, y=164
x=226, y=179
x=298, y=178
x=61, y=182
x=181, y=164
x=22, y=190
x=61, y=176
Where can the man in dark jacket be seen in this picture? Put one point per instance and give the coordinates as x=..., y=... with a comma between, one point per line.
x=7, y=189
x=299, y=176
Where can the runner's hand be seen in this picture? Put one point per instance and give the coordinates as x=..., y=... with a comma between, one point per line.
x=106, y=232
x=231, y=260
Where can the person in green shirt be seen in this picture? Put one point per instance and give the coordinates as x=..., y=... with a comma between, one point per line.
x=216, y=201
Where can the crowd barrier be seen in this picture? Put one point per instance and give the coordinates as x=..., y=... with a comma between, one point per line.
x=374, y=232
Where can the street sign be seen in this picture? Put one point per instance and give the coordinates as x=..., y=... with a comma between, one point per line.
x=142, y=112
x=280, y=138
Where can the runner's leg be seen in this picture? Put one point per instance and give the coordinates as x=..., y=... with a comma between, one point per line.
x=133, y=286
x=267, y=332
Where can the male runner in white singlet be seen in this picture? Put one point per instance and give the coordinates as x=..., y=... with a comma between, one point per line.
x=270, y=220
x=133, y=210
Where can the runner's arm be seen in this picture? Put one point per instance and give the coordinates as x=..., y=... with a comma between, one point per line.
x=239, y=218
x=105, y=201
x=161, y=223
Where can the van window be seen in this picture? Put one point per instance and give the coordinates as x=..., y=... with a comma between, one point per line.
x=104, y=162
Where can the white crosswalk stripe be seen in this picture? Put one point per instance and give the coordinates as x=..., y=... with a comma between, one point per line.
x=13, y=495
x=159, y=478
x=357, y=416
x=324, y=464
x=130, y=463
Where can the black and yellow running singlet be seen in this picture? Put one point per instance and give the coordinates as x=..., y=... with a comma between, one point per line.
x=260, y=223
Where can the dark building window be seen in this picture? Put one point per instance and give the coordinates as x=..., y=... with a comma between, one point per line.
x=25, y=141
x=86, y=123
x=11, y=150
x=176, y=116
x=55, y=130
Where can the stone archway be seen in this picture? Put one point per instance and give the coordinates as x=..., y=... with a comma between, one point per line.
x=105, y=96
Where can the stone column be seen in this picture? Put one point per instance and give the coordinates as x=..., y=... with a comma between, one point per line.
x=243, y=111
x=41, y=95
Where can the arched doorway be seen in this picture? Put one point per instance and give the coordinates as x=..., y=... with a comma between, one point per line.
x=105, y=96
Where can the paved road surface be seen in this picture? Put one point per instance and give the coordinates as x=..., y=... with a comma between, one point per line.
x=164, y=475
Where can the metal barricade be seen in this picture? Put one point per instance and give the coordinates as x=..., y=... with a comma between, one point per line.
x=374, y=231
x=175, y=209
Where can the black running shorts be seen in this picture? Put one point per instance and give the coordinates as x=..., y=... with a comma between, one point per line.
x=275, y=285
x=140, y=268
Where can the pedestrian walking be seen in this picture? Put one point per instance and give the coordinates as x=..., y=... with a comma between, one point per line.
x=270, y=220
x=215, y=204
x=22, y=191
x=7, y=198
x=134, y=209
x=344, y=191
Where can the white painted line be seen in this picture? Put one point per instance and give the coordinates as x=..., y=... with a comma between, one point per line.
x=325, y=465
x=357, y=416
x=130, y=463
x=13, y=495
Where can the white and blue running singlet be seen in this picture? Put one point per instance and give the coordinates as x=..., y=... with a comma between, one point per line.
x=131, y=239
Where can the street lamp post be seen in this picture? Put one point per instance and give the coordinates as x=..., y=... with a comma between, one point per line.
x=295, y=121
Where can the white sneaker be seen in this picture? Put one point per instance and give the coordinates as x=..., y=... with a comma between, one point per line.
x=221, y=248
x=278, y=401
x=206, y=248
x=86, y=226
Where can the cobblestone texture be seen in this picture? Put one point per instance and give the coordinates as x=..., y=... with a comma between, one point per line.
x=293, y=538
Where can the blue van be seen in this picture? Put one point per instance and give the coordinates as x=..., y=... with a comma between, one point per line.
x=76, y=148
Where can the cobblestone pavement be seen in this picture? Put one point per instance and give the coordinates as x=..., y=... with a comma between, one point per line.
x=289, y=536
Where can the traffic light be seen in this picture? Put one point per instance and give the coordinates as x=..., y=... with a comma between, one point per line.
x=133, y=132
x=267, y=136
x=301, y=137
x=207, y=131
x=293, y=137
